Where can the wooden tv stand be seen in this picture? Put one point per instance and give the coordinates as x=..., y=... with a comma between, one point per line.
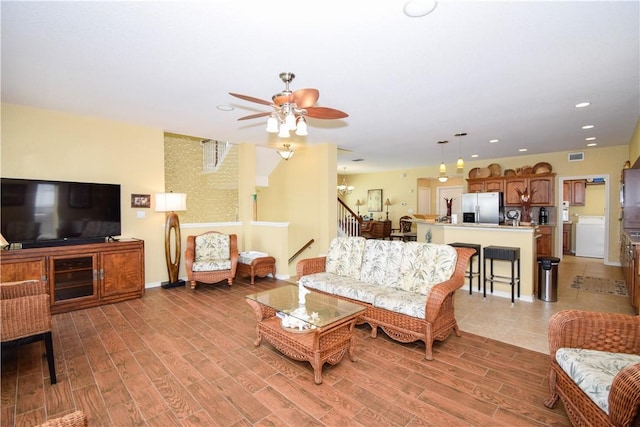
x=80, y=276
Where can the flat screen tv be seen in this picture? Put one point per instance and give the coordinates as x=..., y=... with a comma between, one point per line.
x=37, y=213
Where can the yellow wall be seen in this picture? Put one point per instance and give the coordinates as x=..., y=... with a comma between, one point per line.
x=302, y=192
x=41, y=144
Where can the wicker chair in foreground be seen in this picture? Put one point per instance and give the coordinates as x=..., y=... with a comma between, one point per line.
x=26, y=317
x=211, y=257
x=616, y=334
x=75, y=419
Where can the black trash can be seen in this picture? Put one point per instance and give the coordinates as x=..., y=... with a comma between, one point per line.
x=548, y=278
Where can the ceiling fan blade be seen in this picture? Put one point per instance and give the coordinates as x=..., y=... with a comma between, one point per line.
x=250, y=99
x=254, y=116
x=325, y=113
x=305, y=98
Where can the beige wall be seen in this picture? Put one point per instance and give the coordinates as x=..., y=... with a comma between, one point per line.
x=41, y=144
x=634, y=146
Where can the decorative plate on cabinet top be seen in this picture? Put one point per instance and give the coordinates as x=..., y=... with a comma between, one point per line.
x=542, y=167
x=495, y=169
x=527, y=170
x=483, y=173
x=509, y=172
x=473, y=173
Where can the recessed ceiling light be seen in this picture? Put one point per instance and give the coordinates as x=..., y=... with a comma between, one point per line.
x=591, y=138
x=592, y=144
x=418, y=8
x=225, y=107
x=493, y=141
x=588, y=127
x=583, y=104
x=475, y=155
x=522, y=150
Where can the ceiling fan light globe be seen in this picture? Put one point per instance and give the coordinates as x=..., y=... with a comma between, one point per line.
x=301, y=129
x=272, y=125
x=443, y=178
x=290, y=121
x=284, y=131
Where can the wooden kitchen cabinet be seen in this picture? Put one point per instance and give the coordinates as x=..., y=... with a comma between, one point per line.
x=80, y=276
x=544, y=243
x=541, y=184
x=566, y=238
x=482, y=185
x=574, y=191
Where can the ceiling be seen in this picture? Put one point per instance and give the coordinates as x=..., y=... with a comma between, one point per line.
x=506, y=70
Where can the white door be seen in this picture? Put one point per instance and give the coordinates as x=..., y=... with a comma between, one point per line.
x=450, y=192
x=424, y=200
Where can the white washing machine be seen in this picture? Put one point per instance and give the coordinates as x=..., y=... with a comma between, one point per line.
x=590, y=236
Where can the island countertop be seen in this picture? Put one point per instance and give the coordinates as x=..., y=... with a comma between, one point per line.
x=523, y=237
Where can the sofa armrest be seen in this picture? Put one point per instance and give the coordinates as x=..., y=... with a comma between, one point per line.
x=613, y=332
x=443, y=290
x=311, y=266
x=624, y=396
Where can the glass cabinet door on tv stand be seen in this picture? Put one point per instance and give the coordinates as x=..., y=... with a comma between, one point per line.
x=73, y=278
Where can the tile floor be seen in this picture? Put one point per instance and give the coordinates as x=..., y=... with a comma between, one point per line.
x=525, y=324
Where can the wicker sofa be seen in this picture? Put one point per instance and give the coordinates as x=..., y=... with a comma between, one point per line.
x=598, y=353
x=407, y=287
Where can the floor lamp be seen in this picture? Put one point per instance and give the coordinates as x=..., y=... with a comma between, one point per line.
x=170, y=203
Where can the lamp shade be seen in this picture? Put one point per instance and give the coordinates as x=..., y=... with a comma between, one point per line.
x=387, y=202
x=171, y=202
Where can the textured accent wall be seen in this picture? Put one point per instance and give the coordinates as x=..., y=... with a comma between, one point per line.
x=212, y=196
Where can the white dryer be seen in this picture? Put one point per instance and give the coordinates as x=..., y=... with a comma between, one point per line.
x=590, y=236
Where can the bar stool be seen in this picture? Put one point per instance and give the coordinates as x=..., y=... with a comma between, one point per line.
x=502, y=253
x=470, y=274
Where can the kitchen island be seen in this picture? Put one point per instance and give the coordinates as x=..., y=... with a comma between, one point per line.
x=523, y=237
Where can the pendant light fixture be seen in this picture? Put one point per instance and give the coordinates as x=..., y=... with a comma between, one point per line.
x=460, y=162
x=442, y=177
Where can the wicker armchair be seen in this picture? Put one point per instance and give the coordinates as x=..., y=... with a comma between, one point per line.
x=26, y=317
x=616, y=333
x=75, y=419
x=211, y=257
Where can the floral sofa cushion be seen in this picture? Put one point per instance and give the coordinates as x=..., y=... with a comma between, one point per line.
x=214, y=265
x=345, y=256
x=593, y=371
x=212, y=248
x=425, y=265
x=400, y=301
x=341, y=285
x=381, y=262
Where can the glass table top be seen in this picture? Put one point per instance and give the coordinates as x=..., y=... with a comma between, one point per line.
x=304, y=305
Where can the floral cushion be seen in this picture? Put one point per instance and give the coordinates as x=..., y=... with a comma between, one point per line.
x=381, y=262
x=212, y=247
x=425, y=265
x=345, y=256
x=593, y=371
x=399, y=301
x=340, y=285
x=213, y=265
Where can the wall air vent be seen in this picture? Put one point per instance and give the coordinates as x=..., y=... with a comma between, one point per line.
x=576, y=157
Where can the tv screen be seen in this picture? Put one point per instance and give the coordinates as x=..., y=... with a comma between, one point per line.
x=42, y=213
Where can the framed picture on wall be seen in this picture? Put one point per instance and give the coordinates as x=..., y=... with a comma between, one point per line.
x=374, y=200
x=141, y=200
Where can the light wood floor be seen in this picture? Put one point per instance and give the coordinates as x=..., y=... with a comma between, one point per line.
x=184, y=358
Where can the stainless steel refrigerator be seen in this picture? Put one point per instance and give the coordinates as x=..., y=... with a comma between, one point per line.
x=485, y=208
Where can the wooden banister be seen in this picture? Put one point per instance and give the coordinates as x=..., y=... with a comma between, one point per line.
x=306, y=245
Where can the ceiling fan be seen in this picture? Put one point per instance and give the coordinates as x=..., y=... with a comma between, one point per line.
x=290, y=108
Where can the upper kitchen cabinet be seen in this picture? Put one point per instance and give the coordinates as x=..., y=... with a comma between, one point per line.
x=485, y=185
x=573, y=191
x=541, y=187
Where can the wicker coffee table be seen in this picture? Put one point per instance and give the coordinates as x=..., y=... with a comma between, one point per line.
x=323, y=338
